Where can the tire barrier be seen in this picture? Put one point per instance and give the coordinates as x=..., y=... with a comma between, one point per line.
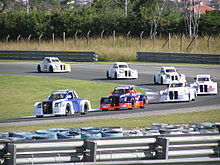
x=162, y=149
x=69, y=135
x=39, y=55
x=98, y=132
x=178, y=58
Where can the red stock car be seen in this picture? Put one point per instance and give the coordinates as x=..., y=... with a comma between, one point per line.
x=124, y=97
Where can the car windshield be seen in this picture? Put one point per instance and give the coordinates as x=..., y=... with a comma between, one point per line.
x=121, y=91
x=170, y=70
x=203, y=79
x=123, y=66
x=55, y=60
x=177, y=85
x=57, y=95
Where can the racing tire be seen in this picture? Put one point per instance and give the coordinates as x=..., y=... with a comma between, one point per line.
x=155, y=82
x=116, y=77
x=132, y=104
x=51, y=69
x=67, y=110
x=39, y=69
x=104, y=109
x=107, y=75
x=189, y=97
x=161, y=80
x=40, y=116
x=86, y=108
x=144, y=101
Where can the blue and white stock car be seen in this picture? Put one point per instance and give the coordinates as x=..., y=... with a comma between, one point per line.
x=62, y=102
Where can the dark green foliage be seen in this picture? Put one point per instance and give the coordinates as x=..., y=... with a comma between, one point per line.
x=102, y=15
x=210, y=23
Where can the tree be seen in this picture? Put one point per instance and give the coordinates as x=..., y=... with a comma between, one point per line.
x=191, y=18
x=6, y=4
x=124, y=4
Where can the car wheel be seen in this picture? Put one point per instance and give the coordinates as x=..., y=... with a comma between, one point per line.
x=116, y=76
x=39, y=69
x=40, y=116
x=68, y=110
x=104, y=109
x=51, y=69
x=107, y=75
x=161, y=80
x=86, y=108
x=144, y=101
x=132, y=104
x=155, y=82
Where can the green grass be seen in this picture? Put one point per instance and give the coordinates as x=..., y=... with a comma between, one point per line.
x=135, y=122
x=19, y=93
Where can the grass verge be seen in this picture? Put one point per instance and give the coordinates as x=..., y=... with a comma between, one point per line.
x=19, y=93
x=135, y=122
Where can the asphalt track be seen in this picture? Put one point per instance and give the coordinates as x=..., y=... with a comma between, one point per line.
x=97, y=72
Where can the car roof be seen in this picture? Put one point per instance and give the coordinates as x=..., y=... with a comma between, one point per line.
x=63, y=91
x=120, y=63
x=168, y=67
x=125, y=86
x=51, y=57
x=203, y=75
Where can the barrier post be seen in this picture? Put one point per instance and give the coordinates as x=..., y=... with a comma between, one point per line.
x=11, y=150
x=162, y=148
x=92, y=146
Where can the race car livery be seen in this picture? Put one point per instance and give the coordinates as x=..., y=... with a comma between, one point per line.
x=168, y=75
x=121, y=70
x=204, y=85
x=62, y=102
x=177, y=92
x=53, y=64
x=124, y=97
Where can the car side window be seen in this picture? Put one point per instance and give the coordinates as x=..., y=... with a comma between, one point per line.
x=70, y=95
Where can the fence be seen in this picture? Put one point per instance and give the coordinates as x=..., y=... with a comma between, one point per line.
x=165, y=148
x=39, y=55
x=178, y=58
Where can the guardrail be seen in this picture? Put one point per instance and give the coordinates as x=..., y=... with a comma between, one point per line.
x=39, y=55
x=157, y=148
x=178, y=58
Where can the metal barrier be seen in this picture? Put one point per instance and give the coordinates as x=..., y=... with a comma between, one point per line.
x=178, y=58
x=39, y=55
x=162, y=147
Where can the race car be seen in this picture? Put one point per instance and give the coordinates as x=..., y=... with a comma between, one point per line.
x=121, y=70
x=62, y=102
x=177, y=92
x=123, y=97
x=204, y=85
x=53, y=64
x=168, y=75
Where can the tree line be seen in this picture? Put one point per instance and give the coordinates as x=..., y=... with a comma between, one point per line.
x=149, y=17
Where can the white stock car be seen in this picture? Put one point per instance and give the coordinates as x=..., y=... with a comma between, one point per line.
x=62, y=102
x=169, y=75
x=204, y=85
x=121, y=70
x=177, y=92
x=53, y=64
